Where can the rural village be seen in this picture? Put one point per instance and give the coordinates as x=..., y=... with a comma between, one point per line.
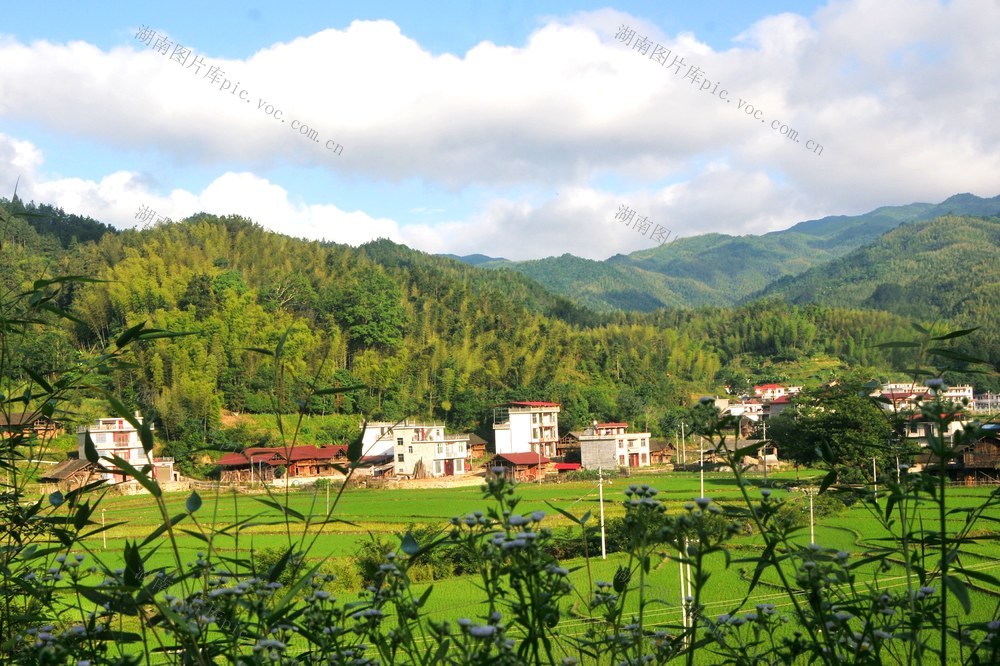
x=526, y=446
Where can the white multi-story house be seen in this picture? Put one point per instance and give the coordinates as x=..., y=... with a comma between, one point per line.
x=526, y=427
x=953, y=393
x=611, y=442
x=114, y=437
x=418, y=449
x=987, y=402
x=751, y=409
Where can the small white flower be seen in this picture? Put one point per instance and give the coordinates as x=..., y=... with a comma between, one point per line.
x=481, y=631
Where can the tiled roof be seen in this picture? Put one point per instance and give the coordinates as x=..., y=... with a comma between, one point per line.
x=277, y=455
x=528, y=403
x=523, y=458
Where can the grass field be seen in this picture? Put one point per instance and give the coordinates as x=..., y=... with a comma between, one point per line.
x=385, y=512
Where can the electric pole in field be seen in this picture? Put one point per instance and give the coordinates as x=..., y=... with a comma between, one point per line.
x=600, y=497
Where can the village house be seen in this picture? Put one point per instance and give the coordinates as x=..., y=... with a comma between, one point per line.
x=261, y=463
x=767, y=392
x=23, y=421
x=526, y=427
x=520, y=466
x=258, y=464
x=661, y=452
x=476, y=444
x=435, y=454
x=609, y=445
x=72, y=474
x=987, y=402
x=568, y=446
x=113, y=436
x=418, y=449
x=978, y=462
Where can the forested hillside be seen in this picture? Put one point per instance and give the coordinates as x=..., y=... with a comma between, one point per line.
x=716, y=269
x=428, y=336
x=947, y=268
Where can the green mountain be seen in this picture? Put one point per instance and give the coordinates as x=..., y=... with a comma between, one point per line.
x=426, y=336
x=946, y=268
x=717, y=269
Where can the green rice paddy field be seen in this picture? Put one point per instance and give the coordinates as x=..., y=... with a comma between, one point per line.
x=386, y=512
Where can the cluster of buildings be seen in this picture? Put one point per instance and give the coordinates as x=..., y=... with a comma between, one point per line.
x=979, y=461
x=527, y=445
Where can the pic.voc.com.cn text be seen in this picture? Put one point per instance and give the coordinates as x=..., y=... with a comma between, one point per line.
x=186, y=58
x=666, y=58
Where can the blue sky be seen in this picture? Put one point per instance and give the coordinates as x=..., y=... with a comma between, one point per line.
x=507, y=128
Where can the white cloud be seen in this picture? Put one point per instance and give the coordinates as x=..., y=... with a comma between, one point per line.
x=900, y=93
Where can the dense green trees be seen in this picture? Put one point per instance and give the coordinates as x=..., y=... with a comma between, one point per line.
x=428, y=336
x=837, y=424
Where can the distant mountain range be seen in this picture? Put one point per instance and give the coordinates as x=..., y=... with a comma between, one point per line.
x=717, y=269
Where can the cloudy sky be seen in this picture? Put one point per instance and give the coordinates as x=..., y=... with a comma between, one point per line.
x=510, y=128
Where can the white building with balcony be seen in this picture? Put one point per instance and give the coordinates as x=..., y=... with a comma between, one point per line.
x=526, y=427
x=418, y=449
x=114, y=437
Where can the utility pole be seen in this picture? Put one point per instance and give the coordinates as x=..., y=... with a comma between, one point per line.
x=684, y=457
x=763, y=448
x=539, y=463
x=701, y=465
x=875, y=477
x=600, y=497
x=812, y=523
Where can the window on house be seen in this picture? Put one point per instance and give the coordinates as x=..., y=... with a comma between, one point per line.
x=409, y=449
x=400, y=457
x=399, y=441
x=440, y=448
x=438, y=467
x=621, y=460
x=643, y=458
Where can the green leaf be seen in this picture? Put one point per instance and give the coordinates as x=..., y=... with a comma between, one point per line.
x=193, y=502
x=956, y=334
x=39, y=379
x=980, y=576
x=281, y=508
x=135, y=569
x=961, y=592
x=410, y=545
x=129, y=335
x=828, y=480
x=275, y=571
x=281, y=343
x=954, y=355
x=355, y=447
x=567, y=514
x=160, y=529
x=56, y=498
x=149, y=484
x=338, y=389
x=259, y=350
x=90, y=450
